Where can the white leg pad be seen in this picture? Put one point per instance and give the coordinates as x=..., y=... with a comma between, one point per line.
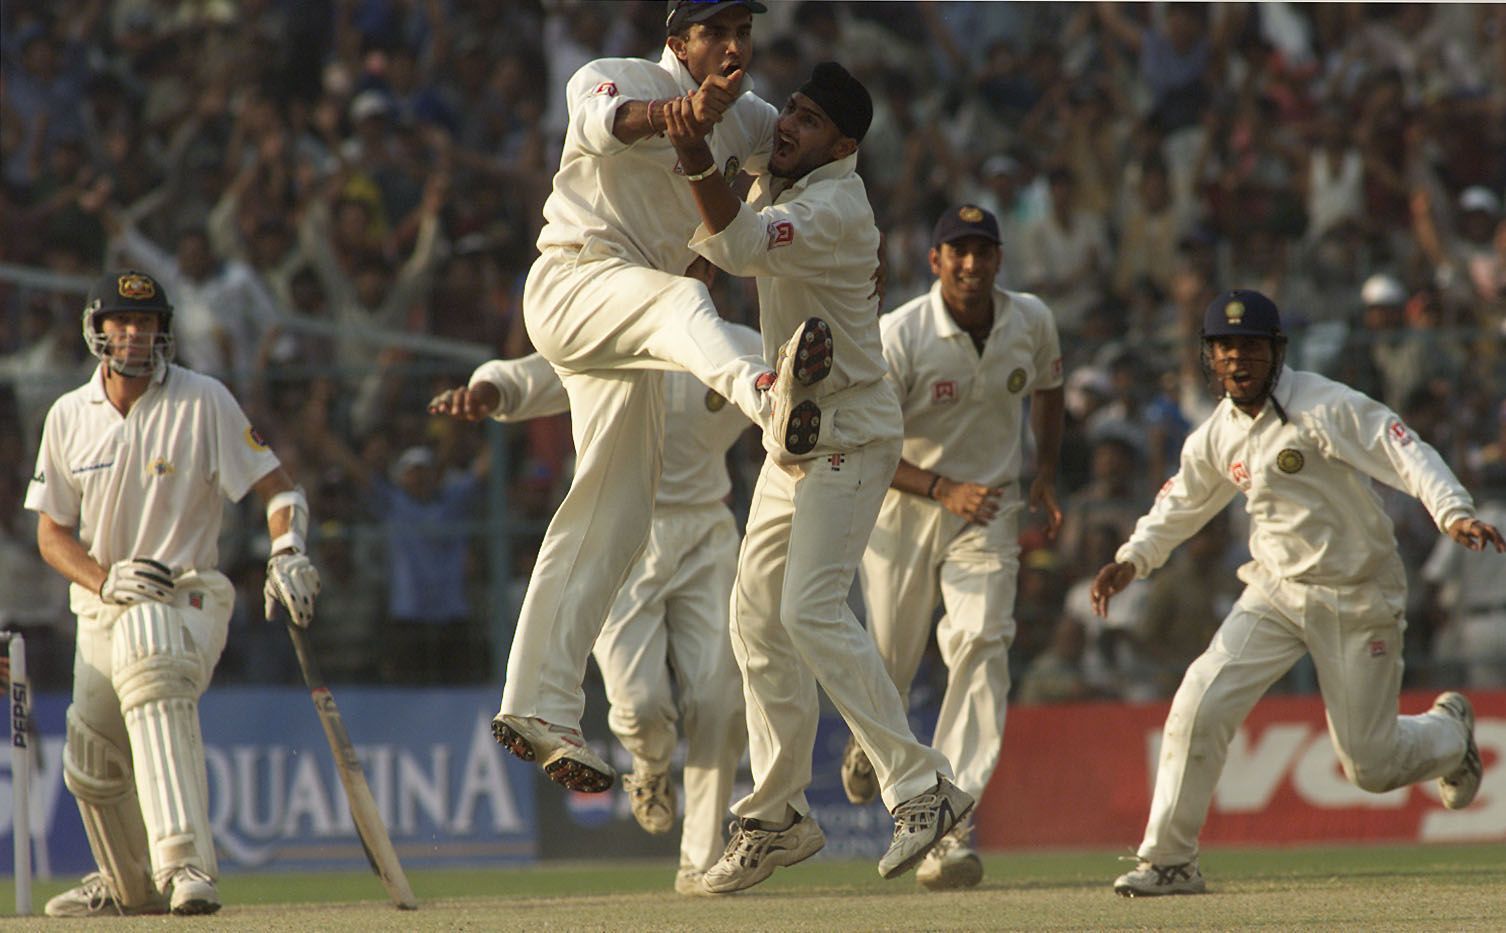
x=98, y=774
x=158, y=675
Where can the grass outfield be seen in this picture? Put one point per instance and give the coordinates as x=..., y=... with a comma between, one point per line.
x=1362, y=888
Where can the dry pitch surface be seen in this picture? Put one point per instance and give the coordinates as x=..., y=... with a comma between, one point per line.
x=1359, y=888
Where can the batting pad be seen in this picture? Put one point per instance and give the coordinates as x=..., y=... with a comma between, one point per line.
x=98, y=774
x=157, y=674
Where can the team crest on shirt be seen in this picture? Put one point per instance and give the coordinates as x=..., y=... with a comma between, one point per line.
x=254, y=440
x=781, y=233
x=944, y=391
x=161, y=467
x=734, y=165
x=1017, y=380
x=714, y=400
x=608, y=88
x=1240, y=474
x=1290, y=460
x=1400, y=433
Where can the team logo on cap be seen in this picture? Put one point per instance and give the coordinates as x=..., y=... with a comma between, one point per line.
x=970, y=214
x=1234, y=312
x=254, y=440
x=734, y=165
x=1017, y=380
x=136, y=287
x=714, y=400
x=1290, y=460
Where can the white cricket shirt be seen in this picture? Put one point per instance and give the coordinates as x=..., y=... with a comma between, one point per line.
x=1314, y=517
x=964, y=411
x=814, y=249
x=151, y=483
x=699, y=425
x=632, y=201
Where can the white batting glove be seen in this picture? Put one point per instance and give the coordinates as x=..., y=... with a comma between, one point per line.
x=137, y=580
x=293, y=582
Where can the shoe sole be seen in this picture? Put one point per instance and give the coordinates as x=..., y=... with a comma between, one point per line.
x=562, y=769
x=909, y=863
x=196, y=908
x=1127, y=891
x=1471, y=766
x=802, y=429
x=795, y=858
x=813, y=352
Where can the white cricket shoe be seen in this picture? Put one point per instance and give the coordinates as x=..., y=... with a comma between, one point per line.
x=858, y=780
x=754, y=852
x=562, y=751
x=1459, y=786
x=1150, y=880
x=95, y=897
x=804, y=360
x=921, y=822
x=688, y=882
x=953, y=863
x=192, y=892
x=652, y=797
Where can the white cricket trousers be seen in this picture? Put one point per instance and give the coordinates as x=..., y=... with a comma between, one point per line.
x=1354, y=635
x=671, y=615
x=807, y=528
x=607, y=326
x=919, y=553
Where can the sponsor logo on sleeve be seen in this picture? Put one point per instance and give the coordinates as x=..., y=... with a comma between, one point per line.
x=1378, y=648
x=608, y=88
x=1165, y=489
x=254, y=440
x=1290, y=460
x=944, y=391
x=1240, y=474
x=1017, y=380
x=1400, y=433
x=781, y=233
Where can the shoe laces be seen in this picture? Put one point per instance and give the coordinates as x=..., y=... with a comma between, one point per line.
x=97, y=888
x=917, y=815
x=748, y=845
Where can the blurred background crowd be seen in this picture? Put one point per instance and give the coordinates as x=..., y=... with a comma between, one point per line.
x=342, y=196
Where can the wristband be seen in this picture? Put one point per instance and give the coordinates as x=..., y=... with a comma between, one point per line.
x=931, y=489
x=703, y=175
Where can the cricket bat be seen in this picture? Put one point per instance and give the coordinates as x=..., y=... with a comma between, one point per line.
x=363, y=808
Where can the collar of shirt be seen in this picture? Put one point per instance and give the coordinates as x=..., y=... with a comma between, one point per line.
x=762, y=191
x=97, y=392
x=947, y=326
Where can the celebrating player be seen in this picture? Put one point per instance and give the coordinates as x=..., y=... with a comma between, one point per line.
x=607, y=304
x=1325, y=580
x=812, y=244
x=964, y=358
x=670, y=613
x=129, y=478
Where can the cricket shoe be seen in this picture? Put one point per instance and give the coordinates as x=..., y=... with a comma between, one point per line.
x=1151, y=880
x=858, y=780
x=921, y=822
x=688, y=882
x=953, y=863
x=192, y=892
x=652, y=797
x=562, y=752
x=96, y=898
x=754, y=852
x=1459, y=786
x=804, y=360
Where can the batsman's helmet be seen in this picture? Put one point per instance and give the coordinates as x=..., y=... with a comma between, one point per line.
x=1244, y=312
x=128, y=291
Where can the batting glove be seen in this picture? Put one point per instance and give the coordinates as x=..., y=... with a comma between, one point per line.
x=293, y=582
x=137, y=580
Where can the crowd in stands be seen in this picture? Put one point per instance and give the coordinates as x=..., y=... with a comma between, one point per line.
x=378, y=167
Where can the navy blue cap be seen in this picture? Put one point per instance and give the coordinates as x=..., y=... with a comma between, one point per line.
x=964, y=221
x=1242, y=313
x=127, y=291
x=682, y=13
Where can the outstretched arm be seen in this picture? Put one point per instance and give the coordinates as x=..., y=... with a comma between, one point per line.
x=1477, y=535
